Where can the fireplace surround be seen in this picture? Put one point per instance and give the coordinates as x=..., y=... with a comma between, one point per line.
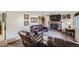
x=55, y=25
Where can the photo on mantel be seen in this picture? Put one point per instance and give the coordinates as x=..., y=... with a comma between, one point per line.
x=39, y=29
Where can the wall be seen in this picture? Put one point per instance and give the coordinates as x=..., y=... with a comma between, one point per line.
x=66, y=22
x=15, y=23
x=46, y=20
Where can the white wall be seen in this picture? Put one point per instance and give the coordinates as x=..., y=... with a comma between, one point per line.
x=46, y=20
x=15, y=23
x=66, y=22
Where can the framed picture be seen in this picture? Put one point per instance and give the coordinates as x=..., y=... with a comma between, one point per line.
x=26, y=23
x=68, y=16
x=63, y=16
x=34, y=19
x=26, y=17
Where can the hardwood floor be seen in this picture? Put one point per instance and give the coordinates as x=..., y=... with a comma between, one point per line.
x=17, y=43
x=3, y=43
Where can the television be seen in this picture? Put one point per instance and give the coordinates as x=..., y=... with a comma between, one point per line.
x=55, y=17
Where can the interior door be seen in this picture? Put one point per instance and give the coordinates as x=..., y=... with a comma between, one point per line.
x=2, y=26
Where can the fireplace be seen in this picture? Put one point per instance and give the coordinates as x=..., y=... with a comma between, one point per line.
x=54, y=26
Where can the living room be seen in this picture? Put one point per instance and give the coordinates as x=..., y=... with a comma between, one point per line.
x=55, y=24
x=39, y=29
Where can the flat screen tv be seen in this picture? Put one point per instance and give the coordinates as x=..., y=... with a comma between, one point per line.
x=55, y=17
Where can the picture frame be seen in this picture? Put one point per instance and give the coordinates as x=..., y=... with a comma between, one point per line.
x=63, y=16
x=68, y=16
x=26, y=16
x=34, y=19
x=26, y=23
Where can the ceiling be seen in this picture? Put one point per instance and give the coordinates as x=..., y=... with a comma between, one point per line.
x=43, y=12
x=50, y=12
x=1, y=12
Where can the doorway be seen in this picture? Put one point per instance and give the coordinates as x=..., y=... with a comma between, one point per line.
x=2, y=26
x=42, y=20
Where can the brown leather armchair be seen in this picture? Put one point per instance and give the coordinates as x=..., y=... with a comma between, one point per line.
x=29, y=40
